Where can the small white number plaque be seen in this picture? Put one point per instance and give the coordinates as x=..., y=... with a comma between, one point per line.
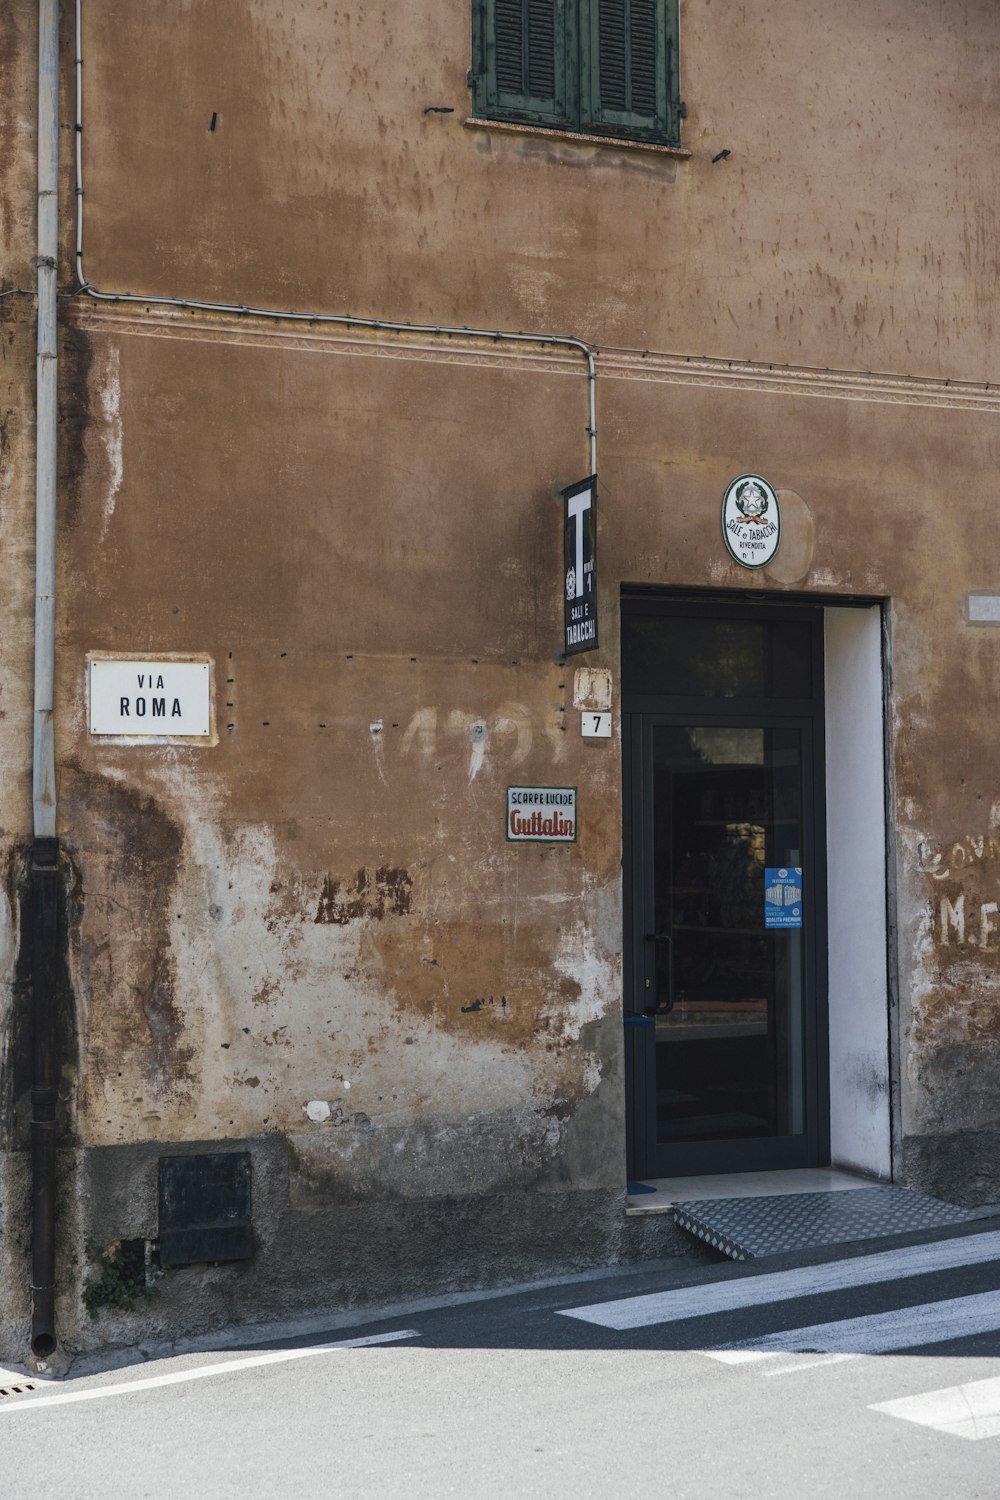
x=595, y=726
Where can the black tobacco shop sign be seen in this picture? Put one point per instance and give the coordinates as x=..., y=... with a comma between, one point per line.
x=579, y=555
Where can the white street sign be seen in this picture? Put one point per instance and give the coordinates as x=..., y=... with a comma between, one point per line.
x=150, y=699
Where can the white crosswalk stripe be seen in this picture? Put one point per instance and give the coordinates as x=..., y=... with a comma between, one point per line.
x=970, y=1411
x=767, y=1356
x=881, y=1333
x=800, y=1362
x=781, y=1286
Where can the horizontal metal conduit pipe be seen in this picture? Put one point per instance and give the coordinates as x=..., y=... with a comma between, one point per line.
x=379, y=325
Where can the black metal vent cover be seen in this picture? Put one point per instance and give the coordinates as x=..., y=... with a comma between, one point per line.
x=205, y=1208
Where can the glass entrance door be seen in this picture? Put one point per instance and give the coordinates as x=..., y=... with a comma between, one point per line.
x=722, y=1010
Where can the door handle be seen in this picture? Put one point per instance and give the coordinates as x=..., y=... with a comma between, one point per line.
x=662, y=1007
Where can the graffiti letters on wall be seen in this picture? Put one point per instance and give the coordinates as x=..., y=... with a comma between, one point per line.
x=968, y=918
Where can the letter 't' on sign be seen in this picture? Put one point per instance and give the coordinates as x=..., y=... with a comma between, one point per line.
x=751, y=521
x=580, y=563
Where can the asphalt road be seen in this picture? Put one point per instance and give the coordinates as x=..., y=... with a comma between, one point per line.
x=862, y=1373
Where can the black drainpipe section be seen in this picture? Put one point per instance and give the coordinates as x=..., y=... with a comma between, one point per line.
x=44, y=904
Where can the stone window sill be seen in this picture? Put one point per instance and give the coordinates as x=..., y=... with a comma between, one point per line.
x=578, y=137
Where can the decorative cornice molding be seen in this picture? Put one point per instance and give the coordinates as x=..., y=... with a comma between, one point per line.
x=798, y=380
x=612, y=364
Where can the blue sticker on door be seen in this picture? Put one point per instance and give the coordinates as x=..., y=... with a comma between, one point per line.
x=783, y=897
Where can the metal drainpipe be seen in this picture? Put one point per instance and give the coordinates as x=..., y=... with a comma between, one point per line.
x=45, y=847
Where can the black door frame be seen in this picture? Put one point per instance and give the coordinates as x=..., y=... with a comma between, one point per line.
x=645, y=1156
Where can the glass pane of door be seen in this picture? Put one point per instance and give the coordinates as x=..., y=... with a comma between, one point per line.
x=724, y=902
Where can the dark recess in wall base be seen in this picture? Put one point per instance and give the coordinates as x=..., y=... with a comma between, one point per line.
x=963, y=1167
x=367, y=1254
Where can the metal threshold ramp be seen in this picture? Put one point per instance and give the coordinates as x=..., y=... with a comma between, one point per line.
x=747, y=1228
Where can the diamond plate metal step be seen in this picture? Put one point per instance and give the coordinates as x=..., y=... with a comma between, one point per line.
x=747, y=1228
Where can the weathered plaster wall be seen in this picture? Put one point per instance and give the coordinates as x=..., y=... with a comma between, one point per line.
x=324, y=906
x=321, y=913
x=854, y=225
x=269, y=958
x=360, y=543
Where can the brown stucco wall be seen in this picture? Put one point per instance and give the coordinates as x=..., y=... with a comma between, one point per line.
x=854, y=225
x=363, y=532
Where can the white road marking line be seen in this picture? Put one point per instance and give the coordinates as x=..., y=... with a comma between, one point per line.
x=969, y=1411
x=757, y=1356
x=736, y=1356
x=880, y=1333
x=781, y=1286
x=799, y=1363
x=178, y=1377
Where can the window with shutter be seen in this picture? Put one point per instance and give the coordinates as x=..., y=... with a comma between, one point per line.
x=523, y=60
x=601, y=66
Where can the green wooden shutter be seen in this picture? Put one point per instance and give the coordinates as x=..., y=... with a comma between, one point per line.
x=630, y=74
x=524, y=56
